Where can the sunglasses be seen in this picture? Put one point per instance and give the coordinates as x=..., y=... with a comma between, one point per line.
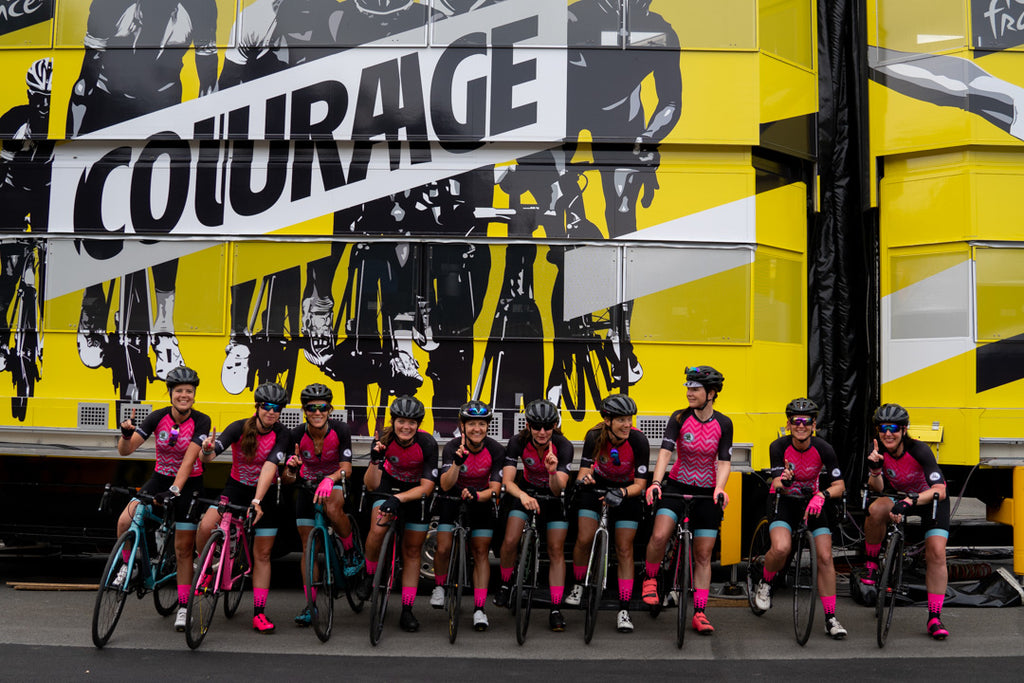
x=271, y=407
x=317, y=408
x=889, y=428
x=546, y=427
x=478, y=411
x=802, y=421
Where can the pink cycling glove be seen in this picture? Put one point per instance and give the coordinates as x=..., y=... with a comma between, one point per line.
x=325, y=488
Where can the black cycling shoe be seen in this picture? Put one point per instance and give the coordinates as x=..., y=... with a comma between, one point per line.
x=557, y=621
x=408, y=621
x=502, y=596
x=365, y=588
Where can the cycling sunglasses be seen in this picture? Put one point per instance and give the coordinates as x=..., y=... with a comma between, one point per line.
x=542, y=427
x=271, y=407
x=802, y=421
x=889, y=428
x=317, y=408
x=478, y=411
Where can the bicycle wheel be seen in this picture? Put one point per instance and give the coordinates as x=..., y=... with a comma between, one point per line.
x=804, y=573
x=594, y=583
x=165, y=588
x=760, y=544
x=684, y=566
x=239, y=569
x=888, y=587
x=320, y=582
x=382, y=582
x=455, y=584
x=205, y=591
x=350, y=582
x=110, y=598
x=526, y=581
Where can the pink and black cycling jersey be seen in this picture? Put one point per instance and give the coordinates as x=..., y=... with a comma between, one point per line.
x=172, y=439
x=272, y=446
x=620, y=464
x=807, y=464
x=409, y=464
x=534, y=471
x=480, y=468
x=916, y=473
x=335, y=449
x=699, y=445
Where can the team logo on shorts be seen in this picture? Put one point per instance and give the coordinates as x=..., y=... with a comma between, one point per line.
x=688, y=437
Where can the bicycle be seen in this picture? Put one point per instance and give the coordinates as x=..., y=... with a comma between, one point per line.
x=388, y=566
x=528, y=569
x=130, y=568
x=800, y=571
x=222, y=567
x=678, y=562
x=325, y=577
x=894, y=557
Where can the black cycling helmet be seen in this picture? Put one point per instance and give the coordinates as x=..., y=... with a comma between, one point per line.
x=475, y=410
x=891, y=413
x=317, y=392
x=705, y=376
x=408, y=407
x=182, y=375
x=269, y=392
x=618, y=405
x=802, y=406
x=541, y=412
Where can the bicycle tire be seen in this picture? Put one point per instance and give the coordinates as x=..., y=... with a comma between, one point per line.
x=239, y=570
x=383, y=579
x=350, y=582
x=594, y=583
x=320, y=569
x=760, y=543
x=888, y=587
x=684, y=565
x=804, y=573
x=526, y=581
x=110, y=598
x=165, y=588
x=455, y=583
x=204, y=592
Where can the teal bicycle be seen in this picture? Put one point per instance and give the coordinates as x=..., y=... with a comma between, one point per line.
x=131, y=568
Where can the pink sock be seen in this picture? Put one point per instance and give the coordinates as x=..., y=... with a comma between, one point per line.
x=408, y=595
x=182, y=595
x=371, y=567
x=625, y=589
x=872, y=549
x=259, y=597
x=556, y=595
x=829, y=603
x=479, y=597
x=651, y=568
x=579, y=572
x=935, y=602
x=700, y=599
x=347, y=542
x=506, y=574
x=439, y=579
x=768, y=576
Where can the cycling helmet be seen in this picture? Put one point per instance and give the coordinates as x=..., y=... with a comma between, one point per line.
x=618, y=405
x=802, y=406
x=269, y=392
x=182, y=375
x=891, y=413
x=705, y=376
x=408, y=407
x=39, y=76
x=541, y=412
x=475, y=410
x=317, y=392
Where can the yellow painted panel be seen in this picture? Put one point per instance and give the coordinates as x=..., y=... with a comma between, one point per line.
x=786, y=90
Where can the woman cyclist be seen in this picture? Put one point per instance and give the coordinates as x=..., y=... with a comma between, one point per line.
x=322, y=454
x=703, y=437
x=615, y=458
x=471, y=467
x=546, y=455
x=403, y=463
x=797, y=462
x=259, y=446
x=179, y=433
x=900, y=463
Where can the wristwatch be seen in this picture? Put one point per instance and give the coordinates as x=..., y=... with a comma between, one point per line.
x=175, y=490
